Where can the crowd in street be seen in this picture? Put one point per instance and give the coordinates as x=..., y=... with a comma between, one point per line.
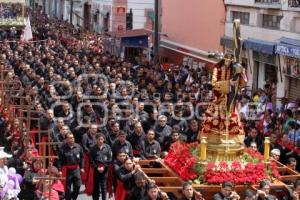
x=104, y=114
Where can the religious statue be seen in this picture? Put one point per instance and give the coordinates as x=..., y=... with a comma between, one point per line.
x=221, y=125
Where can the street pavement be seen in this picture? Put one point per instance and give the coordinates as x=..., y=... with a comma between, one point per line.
x=83, y=196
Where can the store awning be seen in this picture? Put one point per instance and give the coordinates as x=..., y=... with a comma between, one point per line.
x=260, y=45
x=227, y=42
x=136, y=42
x=130, y=33
x=288, y=47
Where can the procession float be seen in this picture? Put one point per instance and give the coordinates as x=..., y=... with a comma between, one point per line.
x=221, y=155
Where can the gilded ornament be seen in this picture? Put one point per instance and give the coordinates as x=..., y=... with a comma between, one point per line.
x=215, y=122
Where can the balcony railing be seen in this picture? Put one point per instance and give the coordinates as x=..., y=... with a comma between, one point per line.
x=268, y=1
x=268, y=4
x=294, y=3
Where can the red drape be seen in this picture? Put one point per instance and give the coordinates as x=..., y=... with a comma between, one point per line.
x=89, y=187
x=64, y=172
x=120, y=192
x=84, y=176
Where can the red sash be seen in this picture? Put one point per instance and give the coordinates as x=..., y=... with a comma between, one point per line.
x=121, y=193
x=64, y=170
x=84, y=176
x=89, y=186
x=136, y=152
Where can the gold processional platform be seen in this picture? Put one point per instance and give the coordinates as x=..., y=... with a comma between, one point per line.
x=168, y=181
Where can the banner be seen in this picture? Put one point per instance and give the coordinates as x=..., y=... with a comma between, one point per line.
x=27, y=30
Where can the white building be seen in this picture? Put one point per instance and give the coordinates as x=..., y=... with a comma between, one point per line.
x=271, y=33
x=62, y=9
x=110, y=15
x=142, y=12
x=102, y=15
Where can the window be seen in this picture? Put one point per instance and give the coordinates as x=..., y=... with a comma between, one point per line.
x=243, y=16
x=121, y=10
x=271, y=21
x=294, y=3
x=151, y=16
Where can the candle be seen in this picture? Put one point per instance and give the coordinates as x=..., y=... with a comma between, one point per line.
x=203, y=148
x=267, y=149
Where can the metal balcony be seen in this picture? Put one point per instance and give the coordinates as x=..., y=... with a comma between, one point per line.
x=268, y=1
x=294, y=3
x=271, y=4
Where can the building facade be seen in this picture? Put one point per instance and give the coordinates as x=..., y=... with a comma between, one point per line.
x=111, y=15
x=102, y=15
x=191, y=29
x=271, y=33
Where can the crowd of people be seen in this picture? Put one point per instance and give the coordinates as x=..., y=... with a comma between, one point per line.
x=104, y=114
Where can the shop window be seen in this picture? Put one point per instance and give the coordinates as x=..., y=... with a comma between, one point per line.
x=270, y=73
x=292, y=67
x=271, y=21
x=244, y=17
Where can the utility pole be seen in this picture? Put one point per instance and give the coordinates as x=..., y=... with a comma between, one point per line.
x=44, y=6
x=156, y=34
x=71, y=13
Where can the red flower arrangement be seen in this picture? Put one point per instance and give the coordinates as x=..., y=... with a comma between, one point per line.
x=182, y=159
x=253, y=156
x=250, y=173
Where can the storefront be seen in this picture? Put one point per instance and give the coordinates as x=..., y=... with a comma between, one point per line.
x=289, y=49
x=130, y=44
x=263, y=62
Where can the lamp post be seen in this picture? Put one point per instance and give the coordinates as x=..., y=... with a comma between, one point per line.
x=267, y=149
x=156, y=33
x=203, y=149
x=71, y=12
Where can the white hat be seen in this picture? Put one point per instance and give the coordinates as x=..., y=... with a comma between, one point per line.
x=3, y=154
